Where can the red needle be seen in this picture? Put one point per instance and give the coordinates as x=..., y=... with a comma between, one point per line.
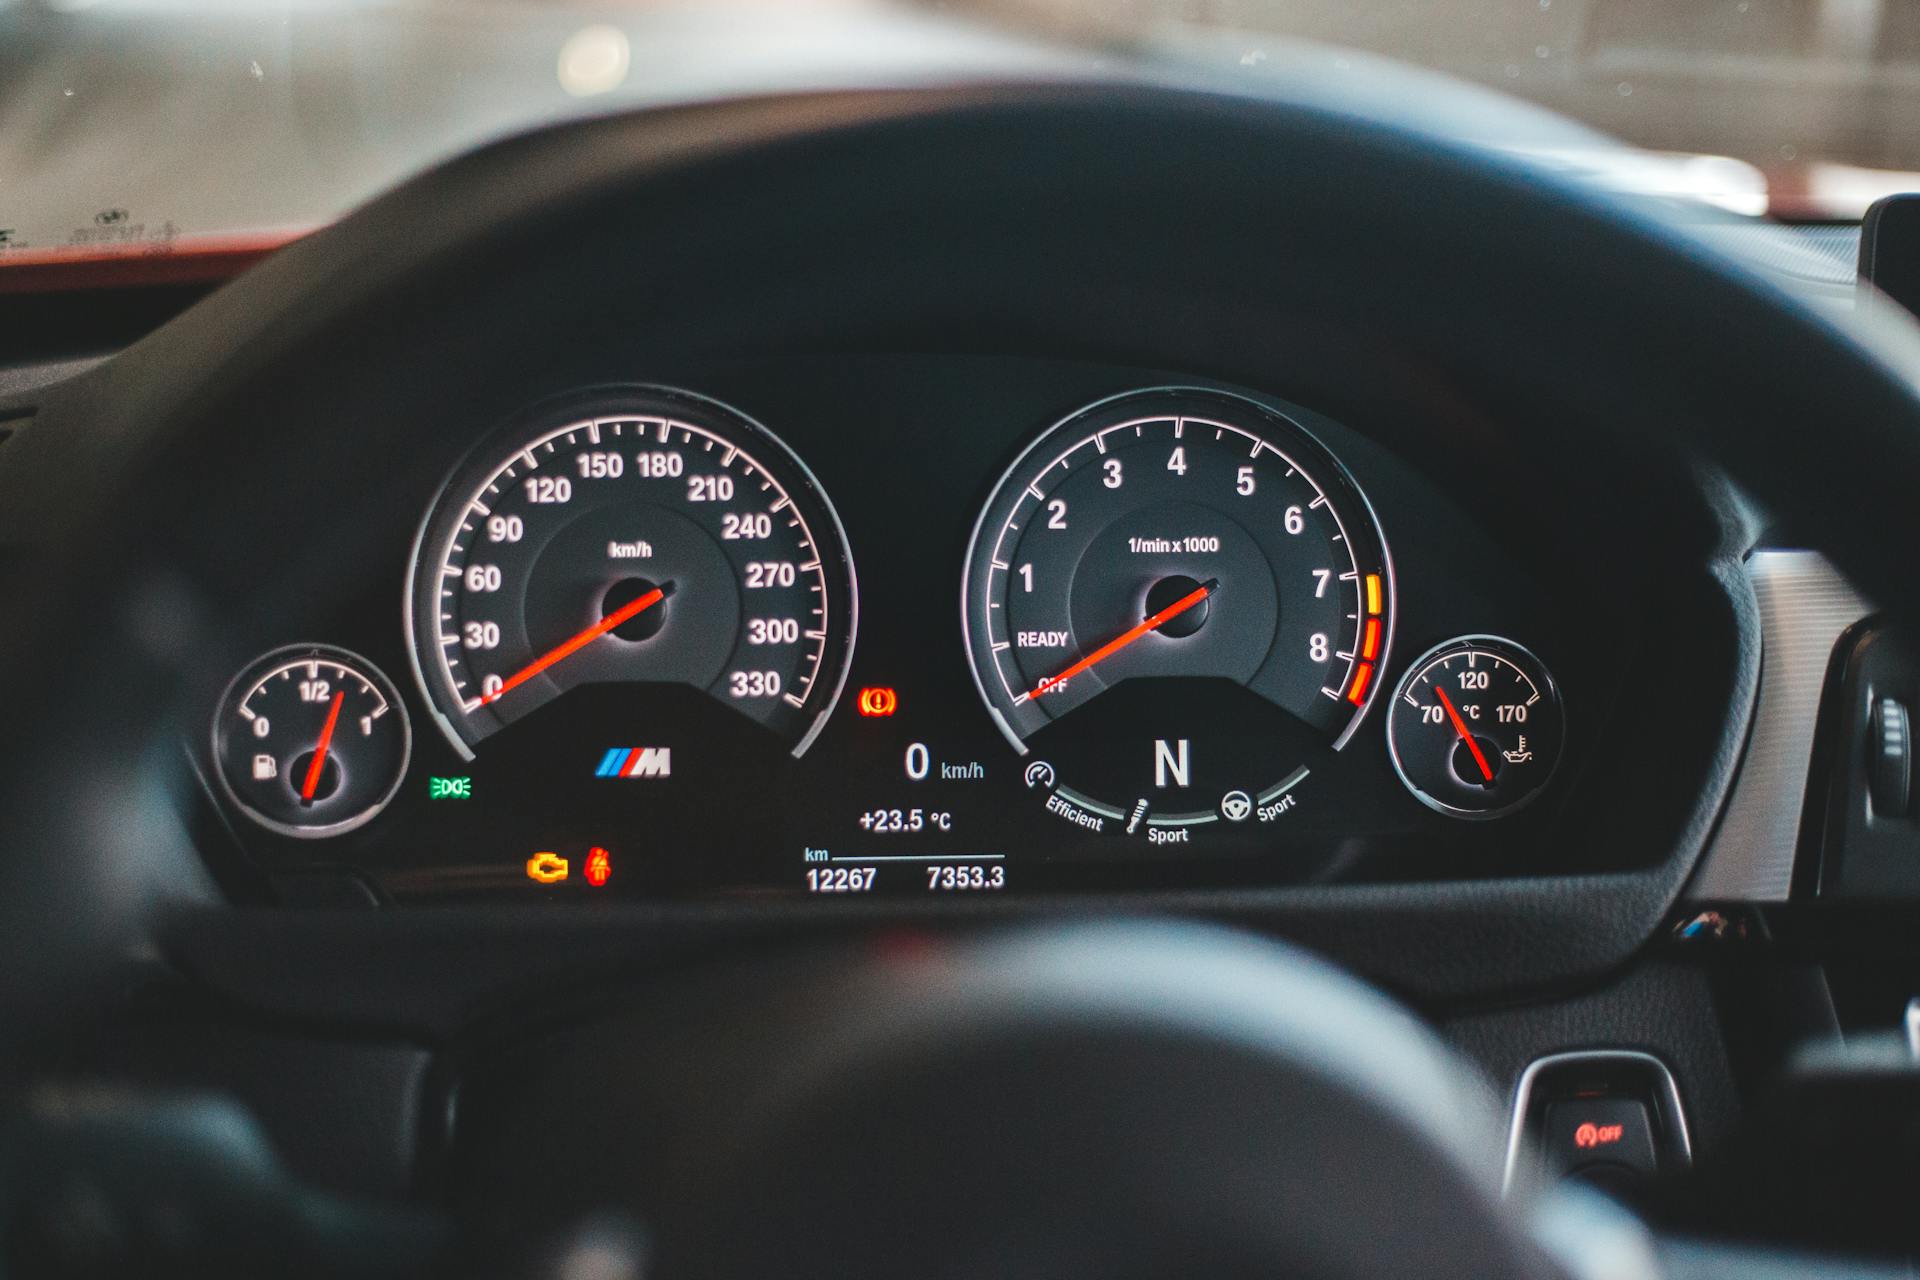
x=1128, y=636
x=1460, y=727
x=567, y=649
x=312, y=782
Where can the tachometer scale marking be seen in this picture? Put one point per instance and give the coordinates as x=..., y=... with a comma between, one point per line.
x=1000, y=559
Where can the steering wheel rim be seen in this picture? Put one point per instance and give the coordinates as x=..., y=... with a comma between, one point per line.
x=1452, y=236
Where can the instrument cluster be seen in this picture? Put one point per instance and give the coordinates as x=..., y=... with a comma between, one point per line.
x=888, y=632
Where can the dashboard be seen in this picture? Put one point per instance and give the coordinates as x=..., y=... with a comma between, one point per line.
x=938, y=564
x=959, y=626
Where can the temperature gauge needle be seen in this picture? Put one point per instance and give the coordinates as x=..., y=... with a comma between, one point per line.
x=311, y=782
x=1128, y=636
x=566, y=649
x=1460, y=727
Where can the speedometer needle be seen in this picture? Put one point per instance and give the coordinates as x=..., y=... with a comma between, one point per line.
x=1128, y=636
x=312, y=781
x=1460, y=727
x=566, y=649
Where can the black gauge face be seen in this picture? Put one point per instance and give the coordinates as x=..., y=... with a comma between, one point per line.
x=1176, y=603
x=642, y=541
x=1476, y=727
x=311, y=741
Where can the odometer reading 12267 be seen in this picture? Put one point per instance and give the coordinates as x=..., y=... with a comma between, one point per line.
x=636, y=537
x=1176, y=605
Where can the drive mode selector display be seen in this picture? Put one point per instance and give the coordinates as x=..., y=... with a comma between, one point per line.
x=1176, y=606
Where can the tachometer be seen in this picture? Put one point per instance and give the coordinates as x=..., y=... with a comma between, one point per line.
x=639, y=537
x=1176, y=604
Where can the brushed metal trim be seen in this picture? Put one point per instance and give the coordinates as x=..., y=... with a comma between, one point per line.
x=1805, y=607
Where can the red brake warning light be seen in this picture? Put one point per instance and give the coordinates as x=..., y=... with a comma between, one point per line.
x=878, y=701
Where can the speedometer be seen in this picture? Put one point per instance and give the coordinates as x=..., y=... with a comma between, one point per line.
x=1176, y=604
x=639, y=537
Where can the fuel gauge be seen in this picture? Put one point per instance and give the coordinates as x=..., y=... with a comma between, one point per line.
x=311, y=741
x=1476, y=727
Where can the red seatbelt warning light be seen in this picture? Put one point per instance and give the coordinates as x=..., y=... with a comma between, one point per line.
x=599, y=866
x=876, y=701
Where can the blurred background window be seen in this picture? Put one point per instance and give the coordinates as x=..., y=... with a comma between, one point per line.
x=138, y=125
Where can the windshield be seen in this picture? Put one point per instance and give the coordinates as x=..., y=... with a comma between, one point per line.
x=144, y=125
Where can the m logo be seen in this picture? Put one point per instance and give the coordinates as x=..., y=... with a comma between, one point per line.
x=636, y=762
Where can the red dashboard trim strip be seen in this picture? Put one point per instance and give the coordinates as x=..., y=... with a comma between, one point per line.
x=192, y=259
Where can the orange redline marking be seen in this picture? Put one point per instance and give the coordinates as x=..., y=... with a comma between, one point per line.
x=1370, y=645
x=1362, y=677
x=1373, y=594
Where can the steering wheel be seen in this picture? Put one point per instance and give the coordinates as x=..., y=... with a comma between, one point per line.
x=1135, y=223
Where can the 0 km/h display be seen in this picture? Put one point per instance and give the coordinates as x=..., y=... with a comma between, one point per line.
x=638, y=538
x=1176, y=606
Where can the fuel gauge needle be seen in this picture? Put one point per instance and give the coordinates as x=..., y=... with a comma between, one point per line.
x=312, y=781
x=1127, y=637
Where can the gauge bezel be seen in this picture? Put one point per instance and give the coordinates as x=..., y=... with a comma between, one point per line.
x=1550, y=689
x=363, y=666
x=554, y=414
x=1259, y=407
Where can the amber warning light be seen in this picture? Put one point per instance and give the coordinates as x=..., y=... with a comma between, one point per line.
x=877, y=701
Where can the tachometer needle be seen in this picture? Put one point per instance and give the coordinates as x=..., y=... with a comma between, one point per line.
x=1460, y=727
x=311, y=782
x=566, y=649
x=1128, y=636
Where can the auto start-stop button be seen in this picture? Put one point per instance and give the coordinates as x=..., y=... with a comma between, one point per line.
x=1587, y=1134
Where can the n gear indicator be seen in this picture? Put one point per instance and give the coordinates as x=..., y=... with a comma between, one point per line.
x=1180, y=601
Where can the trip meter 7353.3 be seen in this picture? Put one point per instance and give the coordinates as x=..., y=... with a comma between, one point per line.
x=1176, y=606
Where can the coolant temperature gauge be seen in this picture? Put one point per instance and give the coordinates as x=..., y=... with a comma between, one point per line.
x=311, y=741
x=1476, y=727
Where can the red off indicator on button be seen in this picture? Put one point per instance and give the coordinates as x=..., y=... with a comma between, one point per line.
x=1591, y=1135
